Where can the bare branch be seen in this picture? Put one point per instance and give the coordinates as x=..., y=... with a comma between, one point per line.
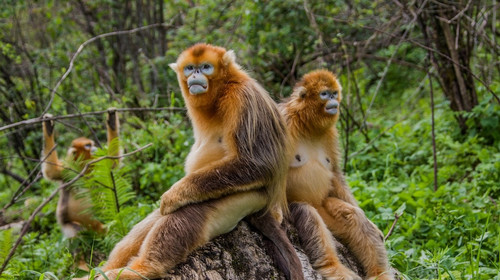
x=40, y=119
x=396, y=218
x=20, y=192
x=80, y=49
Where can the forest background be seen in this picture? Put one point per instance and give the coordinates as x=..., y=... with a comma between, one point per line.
x=419, y=129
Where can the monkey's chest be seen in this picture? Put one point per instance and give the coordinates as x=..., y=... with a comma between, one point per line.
x=204, y=152
x=310, y=175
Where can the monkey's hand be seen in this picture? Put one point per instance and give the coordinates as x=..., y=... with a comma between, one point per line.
x=48, y=125
x=174, y=198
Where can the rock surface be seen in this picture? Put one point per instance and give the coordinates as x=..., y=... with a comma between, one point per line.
x=241, y=254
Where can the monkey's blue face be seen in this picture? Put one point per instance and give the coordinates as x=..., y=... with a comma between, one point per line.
x=197, y=77
x=331, y=98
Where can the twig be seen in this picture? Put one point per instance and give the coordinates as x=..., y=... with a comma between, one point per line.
x=389, y=62
x=52, y=195
x=115, y=194
x=434, y=157
x=419, y=44
x=39, y=119
x=80, y=49
x=12, y=175
x=396, y=218
x=20, y=192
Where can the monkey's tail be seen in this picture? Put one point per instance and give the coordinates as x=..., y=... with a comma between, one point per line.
x=279, y=246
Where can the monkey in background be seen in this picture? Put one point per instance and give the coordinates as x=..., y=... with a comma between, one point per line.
x=236, y=167
x=70, y=213
x=317, y=186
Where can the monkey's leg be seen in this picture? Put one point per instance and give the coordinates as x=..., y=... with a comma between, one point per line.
x=318, y=242
x=281, y=248
x=349, y=224
x=52, y=167
x=77, y=212
x=177, y=234
x=129, y=246
x=69, y=228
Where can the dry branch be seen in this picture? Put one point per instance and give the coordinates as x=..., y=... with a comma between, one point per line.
x=80, y=49
x=41, y=119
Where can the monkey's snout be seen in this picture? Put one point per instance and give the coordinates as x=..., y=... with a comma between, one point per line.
x=197, y=85
x=332, y=108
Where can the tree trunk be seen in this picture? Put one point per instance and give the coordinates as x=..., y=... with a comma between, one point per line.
x=447, y=32
x=241, y=254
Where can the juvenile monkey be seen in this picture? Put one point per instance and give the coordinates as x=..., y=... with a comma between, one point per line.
x=236, y=167
x=70, y=213
x=315, y=178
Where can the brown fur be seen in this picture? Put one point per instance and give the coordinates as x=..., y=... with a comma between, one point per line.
x=236, y=167
x=70, y=213
x=315, y=178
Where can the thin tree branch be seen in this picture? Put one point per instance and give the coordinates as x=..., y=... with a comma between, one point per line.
x=115, y=194
x=20, y=192
x=434, y=157
x=12, y=175
x=52, y=195
x=389, y=62
x=80, y=49
x=419, y=44
x=40, y=119
x=396, y=218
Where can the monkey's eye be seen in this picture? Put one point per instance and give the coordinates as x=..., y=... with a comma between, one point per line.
x=335, y=94
x=324, y=94
x=188, y=70
x=88, y=147
x=207, y=68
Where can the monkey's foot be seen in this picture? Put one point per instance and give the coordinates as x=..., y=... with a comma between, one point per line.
x=174, y=198
x=338, y=272
x=382, y=276
x=168, y=204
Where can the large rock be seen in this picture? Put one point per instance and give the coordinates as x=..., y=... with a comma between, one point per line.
x=241, y=254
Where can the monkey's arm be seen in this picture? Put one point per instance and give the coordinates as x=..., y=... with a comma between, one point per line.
x=257, y=153
x=341, y=190
x=52, y=166
x=227, y=177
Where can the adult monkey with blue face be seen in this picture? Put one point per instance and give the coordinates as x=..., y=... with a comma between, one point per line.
x=236, y=167
x=321, y=199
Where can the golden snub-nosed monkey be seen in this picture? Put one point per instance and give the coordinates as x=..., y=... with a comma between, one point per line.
x=315, y=179
x=71, y=211
x=236, y=167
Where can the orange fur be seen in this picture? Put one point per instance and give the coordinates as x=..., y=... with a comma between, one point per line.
x=315, y=176
x=233, y=170
x=233, y=104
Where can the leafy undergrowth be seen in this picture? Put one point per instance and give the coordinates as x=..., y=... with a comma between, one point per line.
x=450, y=233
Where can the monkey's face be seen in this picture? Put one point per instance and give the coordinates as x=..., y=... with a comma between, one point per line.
x=198, y=67
x=201, y=71
x=81, y=148
x=317, y=98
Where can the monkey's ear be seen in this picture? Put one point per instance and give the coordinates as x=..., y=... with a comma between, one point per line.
x=299, y=92
x=229, y=57
x=174, y=67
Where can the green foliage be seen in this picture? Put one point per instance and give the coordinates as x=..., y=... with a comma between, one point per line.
x=448, y=234
x=452, y=233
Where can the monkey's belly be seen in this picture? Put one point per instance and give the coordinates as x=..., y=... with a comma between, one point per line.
x=309, y=183
x=204, y=154
x=78, y=211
